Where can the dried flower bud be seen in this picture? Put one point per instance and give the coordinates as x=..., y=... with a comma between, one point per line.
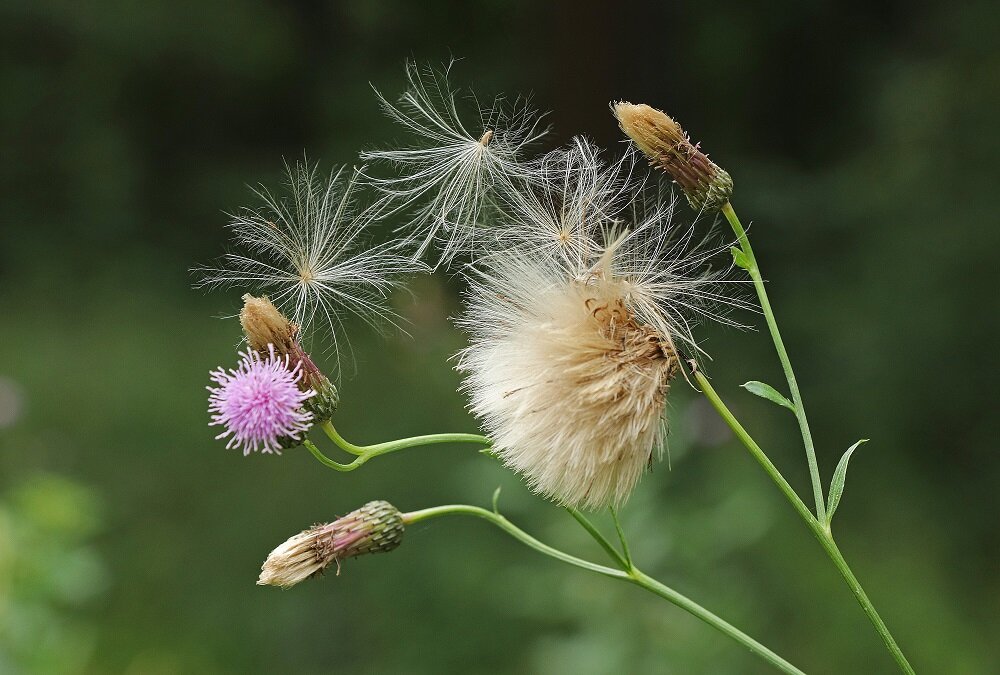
x=377, y=526
x=264, y=325
x=706, y=185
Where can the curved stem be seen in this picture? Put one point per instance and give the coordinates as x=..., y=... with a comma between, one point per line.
x=820, y=529
x=332, y=433
x=786, y=364
x=326, y=461
x=365, y=452
x=631, y=575
x=512, y=530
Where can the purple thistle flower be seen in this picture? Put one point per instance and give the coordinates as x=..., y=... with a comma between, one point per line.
x=259, y=403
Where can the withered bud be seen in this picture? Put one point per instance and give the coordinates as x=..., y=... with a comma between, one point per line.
x=264, y=325
x=375, y=527
x=706, y=185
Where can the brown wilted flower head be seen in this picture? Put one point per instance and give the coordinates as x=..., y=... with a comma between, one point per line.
x=377, y=526
x=264, y=325
x=705, y=184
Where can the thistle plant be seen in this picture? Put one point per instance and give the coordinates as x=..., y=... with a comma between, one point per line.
x=585, y=284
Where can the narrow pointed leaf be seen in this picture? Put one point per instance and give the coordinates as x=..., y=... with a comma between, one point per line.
x=837, y=484
x=739, y=258
x=768, y=392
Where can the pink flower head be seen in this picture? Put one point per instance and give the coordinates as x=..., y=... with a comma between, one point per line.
x=259, y=403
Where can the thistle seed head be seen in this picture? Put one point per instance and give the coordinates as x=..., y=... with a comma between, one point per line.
x=572, y=394
x=455, y=164
x=310, y=252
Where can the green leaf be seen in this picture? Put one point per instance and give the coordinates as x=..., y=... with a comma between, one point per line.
x=740, y=258
x=837, y=484
x=768, y=392
x=496, y=500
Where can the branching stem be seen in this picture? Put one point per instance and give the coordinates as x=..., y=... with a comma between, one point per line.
x=629, y=574
x=818, y=524
x=793, y=387
x=363, y=453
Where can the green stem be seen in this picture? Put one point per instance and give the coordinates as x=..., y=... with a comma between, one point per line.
x=793, y=387
x=364, y=453
x=332, y=433
x=326, y=461
x=652, y=585
x=820, y=529
x=631, y=575
x=713, y=397
x=621, y=535
x=600, y=538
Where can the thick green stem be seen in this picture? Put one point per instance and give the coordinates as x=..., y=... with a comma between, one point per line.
x=363, y=453
x=630, y=575
x=786, y=365
x=820, y=529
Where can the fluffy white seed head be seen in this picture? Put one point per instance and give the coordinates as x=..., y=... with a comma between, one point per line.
x=569, y=362
x=666, y=269
x=570, y=387
x=308, y=251
x=451, y=170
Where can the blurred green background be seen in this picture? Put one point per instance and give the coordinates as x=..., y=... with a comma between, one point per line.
x=863, y=139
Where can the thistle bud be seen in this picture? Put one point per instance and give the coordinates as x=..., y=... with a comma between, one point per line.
x=264, y=325
x=377, y=526
x=705, y=184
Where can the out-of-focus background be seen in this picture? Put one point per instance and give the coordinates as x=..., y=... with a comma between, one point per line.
x=863, y=140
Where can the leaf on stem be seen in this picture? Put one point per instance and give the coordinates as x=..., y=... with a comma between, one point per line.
x=837, y=484
x=496, y=500
x=768, y=392
x=739, y=258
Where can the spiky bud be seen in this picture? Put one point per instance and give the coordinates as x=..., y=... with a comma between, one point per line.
x=264, y=325
x=706, y=185
x=375, y=527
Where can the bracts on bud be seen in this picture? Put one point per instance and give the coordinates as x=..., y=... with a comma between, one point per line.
x=264, y=325
x=375, y=527
x=706, y=185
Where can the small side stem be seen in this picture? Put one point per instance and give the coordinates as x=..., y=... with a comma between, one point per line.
x=600, y=538
x=326, y=461
x=621, y=535
x=632, y=575
x=364, y=453
x=332, y=433
x=786, y=364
